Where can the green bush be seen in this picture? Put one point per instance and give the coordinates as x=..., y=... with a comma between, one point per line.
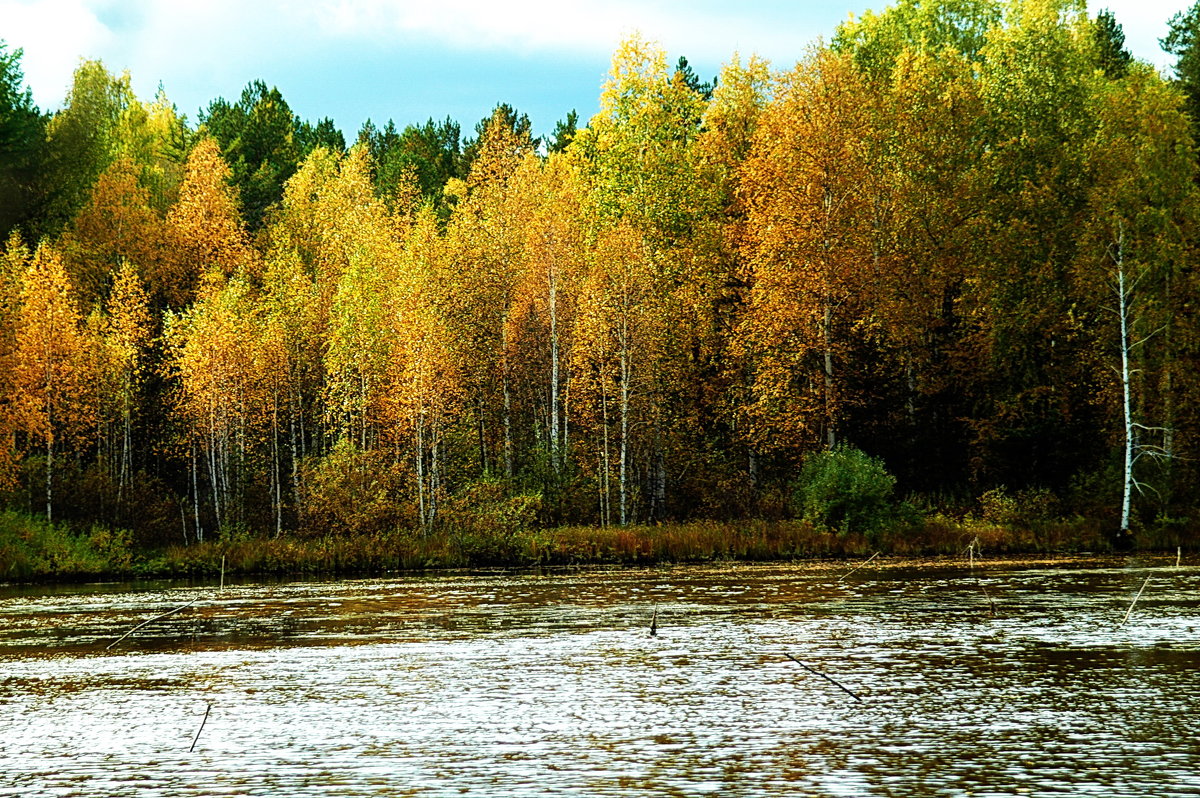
x=488, y=524
x=352, y=491
x=1026, y=509
x=844, y=490
x=32, y=547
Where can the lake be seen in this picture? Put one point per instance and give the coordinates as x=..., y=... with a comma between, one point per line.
x=943, y=680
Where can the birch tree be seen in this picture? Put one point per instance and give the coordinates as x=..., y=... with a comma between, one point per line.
x=805, y=187
x=52, y=385
x=204, y=229
x=1142, y=211
x=125, y=341
x=643, y=167
x=485, y=244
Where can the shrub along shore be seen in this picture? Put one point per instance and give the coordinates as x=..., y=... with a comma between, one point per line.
x=33, y=550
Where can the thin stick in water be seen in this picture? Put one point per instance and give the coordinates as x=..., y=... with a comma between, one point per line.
x=1135, y=601
x=860, y=565
x=826, y=677
x=207, y=709
x=152, y=620
x=654, y=622
x=222, y=573
x=1178, y=555
x=988, y=596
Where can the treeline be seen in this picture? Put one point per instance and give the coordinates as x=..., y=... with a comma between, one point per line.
x=960, y=237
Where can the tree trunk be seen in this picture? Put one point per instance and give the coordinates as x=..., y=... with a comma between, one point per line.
x=1123, y=313
x=606, y=488
x=554, y=448
x=295, y=451
x=419, y=461
x=483, y=459
x=624, y=479
x=827, y=334
x=49, y=477
x=435, y=469
x=196, y=494
x=508, y=439
x=276, y=475
x=126, y=440
x=659, y=476
x=213, y=477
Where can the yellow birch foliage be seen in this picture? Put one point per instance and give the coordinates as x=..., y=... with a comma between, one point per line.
x=51, y=380
x=121, y=366
x=805, y=188
x=484, y=245
x=211, y=352
x=328, y=206
x=204, y=228
x=356, y=357
x=424, y=393
x=14, y=261
x=116, y=224
x=546, y=203
x=294, y=321
x=423, y=372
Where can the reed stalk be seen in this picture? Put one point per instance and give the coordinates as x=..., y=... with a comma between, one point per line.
x=826, y=677
x=1134, y=602
x=152, y=620
x=207, y=709
x=860, y=565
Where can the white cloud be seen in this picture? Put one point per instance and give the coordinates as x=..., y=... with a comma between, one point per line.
x=54, y=34
x=217, y=45
x=567, y=26
x=710, y=31
x=1144, y=23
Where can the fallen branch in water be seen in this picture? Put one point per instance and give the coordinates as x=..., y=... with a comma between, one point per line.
x=826, y=677
x=152, y=620
x=1134, y=603
x=207, y=709
x=860, y=565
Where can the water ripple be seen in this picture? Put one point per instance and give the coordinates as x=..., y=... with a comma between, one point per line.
x=551, y=685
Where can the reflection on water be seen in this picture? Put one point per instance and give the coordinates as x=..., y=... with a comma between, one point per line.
x=551, y=685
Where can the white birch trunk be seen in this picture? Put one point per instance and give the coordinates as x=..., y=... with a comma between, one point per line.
x=827, y=323
x=49, y=478
x=276, y=474
x=212, y=470
x=606, y=488
x=295, y=451
x=419, y=461
x=435, y=469
x=196, y=494
x=625, y=369
x=554, y=447
x=508, y=441
x=1123, y=313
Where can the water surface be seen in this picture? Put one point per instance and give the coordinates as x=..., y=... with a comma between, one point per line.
x=549, y=684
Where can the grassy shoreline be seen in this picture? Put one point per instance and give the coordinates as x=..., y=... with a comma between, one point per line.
x=33, y=550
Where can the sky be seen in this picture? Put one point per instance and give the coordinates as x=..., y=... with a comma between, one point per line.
x=411, y=60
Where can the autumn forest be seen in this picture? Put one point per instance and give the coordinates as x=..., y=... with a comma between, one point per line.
x=957, y=238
